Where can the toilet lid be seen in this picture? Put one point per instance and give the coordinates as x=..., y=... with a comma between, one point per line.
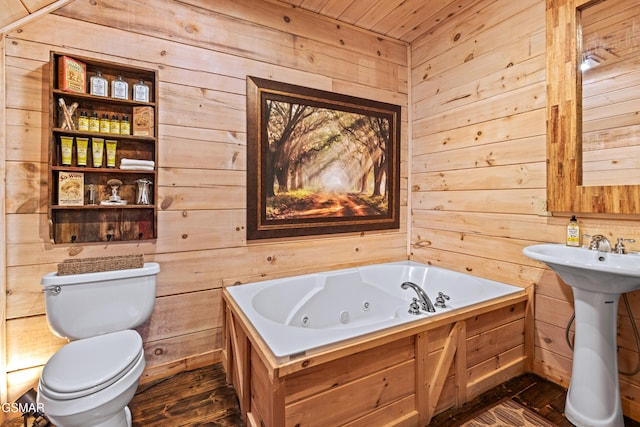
x=93, y=363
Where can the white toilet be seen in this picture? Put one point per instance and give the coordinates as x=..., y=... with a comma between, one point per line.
x=91, y=380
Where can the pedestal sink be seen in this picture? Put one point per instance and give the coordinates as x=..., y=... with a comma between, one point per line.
x=597, y=280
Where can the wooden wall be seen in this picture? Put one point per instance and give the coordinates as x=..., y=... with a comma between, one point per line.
x=476, y=165
x=203, y=52
x=478, y=169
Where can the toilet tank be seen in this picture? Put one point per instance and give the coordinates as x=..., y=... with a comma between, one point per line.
x=89, y=304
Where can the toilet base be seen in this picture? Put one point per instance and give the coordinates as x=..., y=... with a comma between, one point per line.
x=120, y=419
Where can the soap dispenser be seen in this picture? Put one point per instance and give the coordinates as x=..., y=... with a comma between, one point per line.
x=573, y=232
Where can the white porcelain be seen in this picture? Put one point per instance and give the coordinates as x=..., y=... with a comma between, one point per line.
x=96, y=363
x=590, y=270
x=299, y=314
x=97, y=405
x=105, y=301
x=90, y=381
x=597, y=280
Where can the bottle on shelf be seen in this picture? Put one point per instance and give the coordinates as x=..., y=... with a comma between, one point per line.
x=125, y=126
x=141, y=91
x=119, y=88
x=94, y=123
x=83, y=122
x=105, y=124
x=99, y=85
x=114, y=126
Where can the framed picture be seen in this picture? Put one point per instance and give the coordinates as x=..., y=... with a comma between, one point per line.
x=319, y=162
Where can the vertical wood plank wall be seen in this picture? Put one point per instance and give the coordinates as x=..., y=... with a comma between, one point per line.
x=477, y=166
x=203, y=51
x=3, y=281
x=478, y=169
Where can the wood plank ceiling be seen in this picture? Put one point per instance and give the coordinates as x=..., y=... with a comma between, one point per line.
x=404, y=20
x=15, y=12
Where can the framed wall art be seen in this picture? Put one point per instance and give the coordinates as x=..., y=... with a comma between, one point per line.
x=319, y=162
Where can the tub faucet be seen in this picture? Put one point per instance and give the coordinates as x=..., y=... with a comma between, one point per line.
x=425, y=302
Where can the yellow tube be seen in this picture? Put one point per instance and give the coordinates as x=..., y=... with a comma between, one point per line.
x=97, y=148
x=66, y=145
x=111, y=153
x=81, y=147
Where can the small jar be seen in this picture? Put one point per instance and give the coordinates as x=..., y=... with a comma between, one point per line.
x=125, y=126
x=114, y=125
x=99, y=85
x=119, y=88
x=105, y=124
x=94, y=123
x=83, y=122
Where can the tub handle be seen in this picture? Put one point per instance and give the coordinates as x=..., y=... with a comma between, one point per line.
x=414, y=307
x=440, y=300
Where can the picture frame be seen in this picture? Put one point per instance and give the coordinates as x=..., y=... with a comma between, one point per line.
x=319, y=162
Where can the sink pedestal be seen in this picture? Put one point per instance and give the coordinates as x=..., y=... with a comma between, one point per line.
x=593, y=398
x=597, y=279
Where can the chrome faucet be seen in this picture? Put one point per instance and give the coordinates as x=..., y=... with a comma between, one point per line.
x=619, y=248
x=425, y=302
x=599, y=243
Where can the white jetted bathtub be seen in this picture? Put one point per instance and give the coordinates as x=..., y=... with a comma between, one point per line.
x=296, y=314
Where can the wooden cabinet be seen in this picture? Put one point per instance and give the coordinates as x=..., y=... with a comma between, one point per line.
x=119, y=212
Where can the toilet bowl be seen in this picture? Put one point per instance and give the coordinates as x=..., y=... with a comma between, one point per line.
x=90, y=381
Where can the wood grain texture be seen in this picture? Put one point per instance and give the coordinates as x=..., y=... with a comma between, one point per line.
x=566, y=190
x=201, y=243
x=478, y=105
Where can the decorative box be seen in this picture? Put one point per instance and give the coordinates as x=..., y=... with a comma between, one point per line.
x=143, y=121
x=70, y=188
x=72, y=75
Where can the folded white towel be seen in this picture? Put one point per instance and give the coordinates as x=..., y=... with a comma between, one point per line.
x=135, y=162
x=136, y=167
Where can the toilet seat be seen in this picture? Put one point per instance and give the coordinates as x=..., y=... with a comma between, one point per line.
x=94, y=363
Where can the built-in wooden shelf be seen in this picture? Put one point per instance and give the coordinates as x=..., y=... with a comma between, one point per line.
x=96, y=222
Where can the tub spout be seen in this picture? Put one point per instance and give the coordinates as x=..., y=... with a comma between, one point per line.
x=425, y=302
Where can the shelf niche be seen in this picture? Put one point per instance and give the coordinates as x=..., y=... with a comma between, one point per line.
x=85, y=223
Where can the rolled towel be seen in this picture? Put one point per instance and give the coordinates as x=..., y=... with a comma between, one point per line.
x=136, y=167
x=135, y=162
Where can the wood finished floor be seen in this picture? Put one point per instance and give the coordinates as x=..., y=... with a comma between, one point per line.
x=202, y=397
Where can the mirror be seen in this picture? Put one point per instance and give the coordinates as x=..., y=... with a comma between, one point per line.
x=610, y=68
x=566, y=191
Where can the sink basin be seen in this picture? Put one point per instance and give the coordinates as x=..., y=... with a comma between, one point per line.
x=593, y=271
x=597, y=280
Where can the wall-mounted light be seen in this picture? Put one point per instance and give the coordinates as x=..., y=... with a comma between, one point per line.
x=588, y=62
x=29, y=407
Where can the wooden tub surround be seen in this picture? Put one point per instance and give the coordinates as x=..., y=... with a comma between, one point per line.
x=403, y=375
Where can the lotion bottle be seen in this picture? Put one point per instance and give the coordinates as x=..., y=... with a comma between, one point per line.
x=573, y=232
